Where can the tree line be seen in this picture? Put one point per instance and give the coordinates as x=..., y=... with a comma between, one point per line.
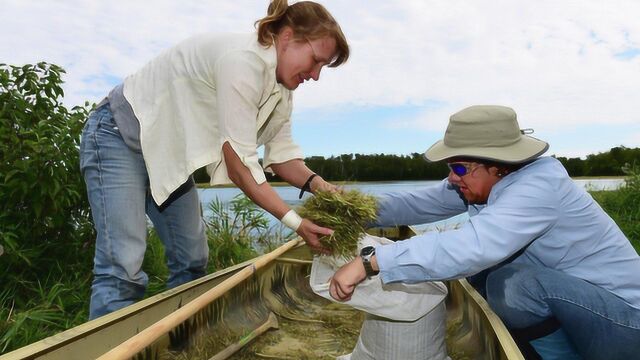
x=383, y=167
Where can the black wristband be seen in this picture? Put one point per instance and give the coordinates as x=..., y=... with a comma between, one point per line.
x=306, y=186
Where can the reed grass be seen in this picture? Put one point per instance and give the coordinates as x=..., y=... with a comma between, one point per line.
x=35, y=305
x=623, y=205
x=346, y=213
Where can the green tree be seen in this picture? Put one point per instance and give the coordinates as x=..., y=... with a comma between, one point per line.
x=44, y=214
x=611, y=162
x=574, y=166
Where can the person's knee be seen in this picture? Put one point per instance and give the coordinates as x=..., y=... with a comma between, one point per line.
x=191, y=254
x=129, y=268
x=503, y=284
x=513, y=293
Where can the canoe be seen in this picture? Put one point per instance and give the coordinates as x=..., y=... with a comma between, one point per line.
x=309, y=327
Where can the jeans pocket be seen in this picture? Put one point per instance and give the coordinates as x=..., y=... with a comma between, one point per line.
x=107, y=124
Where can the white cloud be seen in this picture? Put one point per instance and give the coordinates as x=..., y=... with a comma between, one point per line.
x=553, y=61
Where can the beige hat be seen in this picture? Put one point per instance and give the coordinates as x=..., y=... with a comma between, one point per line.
x=488, y=132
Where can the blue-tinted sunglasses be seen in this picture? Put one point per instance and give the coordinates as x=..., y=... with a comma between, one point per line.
x=461, y=169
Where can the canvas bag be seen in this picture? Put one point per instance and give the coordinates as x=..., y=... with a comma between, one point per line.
x=423, y=339
x=396, y=301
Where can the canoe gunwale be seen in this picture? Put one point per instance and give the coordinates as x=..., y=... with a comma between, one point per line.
x=506, y=345
x=79, y=332
x=157, y=306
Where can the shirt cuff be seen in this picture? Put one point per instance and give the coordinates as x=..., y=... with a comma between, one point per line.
x=398, y=263
x=249, y=158
x=278, y=153
x=384, y=258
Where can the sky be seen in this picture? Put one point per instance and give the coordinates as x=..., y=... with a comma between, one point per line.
x=570, y=69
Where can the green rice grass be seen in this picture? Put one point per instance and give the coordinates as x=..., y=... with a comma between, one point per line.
x=346, y=213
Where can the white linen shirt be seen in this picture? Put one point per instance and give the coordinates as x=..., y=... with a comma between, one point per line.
x=539, y=203
x=205, y=91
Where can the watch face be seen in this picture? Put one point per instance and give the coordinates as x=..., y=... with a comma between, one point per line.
x=367, y=250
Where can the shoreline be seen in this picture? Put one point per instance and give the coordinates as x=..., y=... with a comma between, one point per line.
x=282, y=183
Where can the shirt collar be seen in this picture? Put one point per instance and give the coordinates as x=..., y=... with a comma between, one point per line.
x=267, y=54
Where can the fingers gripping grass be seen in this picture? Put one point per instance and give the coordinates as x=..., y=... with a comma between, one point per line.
x=347, y=213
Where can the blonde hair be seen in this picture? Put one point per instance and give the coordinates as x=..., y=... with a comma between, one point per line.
x=308, y=20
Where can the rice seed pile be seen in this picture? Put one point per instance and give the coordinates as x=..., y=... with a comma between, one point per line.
x=346, y=213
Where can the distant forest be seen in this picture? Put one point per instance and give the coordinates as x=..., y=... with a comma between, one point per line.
x=381, y=167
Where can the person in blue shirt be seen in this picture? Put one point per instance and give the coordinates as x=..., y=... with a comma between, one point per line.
x=551, y=263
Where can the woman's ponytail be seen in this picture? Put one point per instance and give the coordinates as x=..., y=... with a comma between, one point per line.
x=269, y=25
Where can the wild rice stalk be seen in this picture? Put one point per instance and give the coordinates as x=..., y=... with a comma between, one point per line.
x=346, y=213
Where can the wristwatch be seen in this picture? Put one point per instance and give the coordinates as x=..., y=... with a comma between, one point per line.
x=366, y=253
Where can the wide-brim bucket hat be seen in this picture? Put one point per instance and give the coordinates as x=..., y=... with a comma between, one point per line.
x=488, y=132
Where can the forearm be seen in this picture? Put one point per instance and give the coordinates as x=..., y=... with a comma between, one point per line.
x=261, y=194
x=294, y=172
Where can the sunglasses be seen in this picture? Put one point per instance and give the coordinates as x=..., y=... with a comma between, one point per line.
x=461, y=169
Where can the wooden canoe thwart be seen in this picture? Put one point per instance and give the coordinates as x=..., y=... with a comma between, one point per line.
x=260, y=309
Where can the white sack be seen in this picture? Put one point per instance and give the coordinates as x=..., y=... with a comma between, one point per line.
x=397, y=301
x=423, y=339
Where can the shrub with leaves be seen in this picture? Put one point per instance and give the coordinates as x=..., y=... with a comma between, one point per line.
x=45, y=228
x=347, y=213
x=44, y=210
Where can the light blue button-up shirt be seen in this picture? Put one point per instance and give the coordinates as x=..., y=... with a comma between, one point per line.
x=538, y=205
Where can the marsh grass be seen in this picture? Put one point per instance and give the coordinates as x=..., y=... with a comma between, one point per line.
x=623, y=205
x=347, y=213
x=51, y=306
x=154, y=264
x=35, y=305
x=240, y=231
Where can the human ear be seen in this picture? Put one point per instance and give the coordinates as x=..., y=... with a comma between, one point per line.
x=495, y=171
x=285, y=35
x=501, y=172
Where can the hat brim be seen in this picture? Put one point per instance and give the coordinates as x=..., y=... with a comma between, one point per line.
x=525, y=149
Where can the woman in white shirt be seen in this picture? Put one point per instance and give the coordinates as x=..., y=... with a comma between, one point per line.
x=211, y=100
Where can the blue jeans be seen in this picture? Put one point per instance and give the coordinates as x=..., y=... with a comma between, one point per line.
x=119, y=195
x=598, y=324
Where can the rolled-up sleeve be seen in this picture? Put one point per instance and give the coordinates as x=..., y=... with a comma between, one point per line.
x=521, y=215
x=281, y=148
x=239, y=85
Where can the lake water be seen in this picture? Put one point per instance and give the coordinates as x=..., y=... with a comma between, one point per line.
x=290, y=194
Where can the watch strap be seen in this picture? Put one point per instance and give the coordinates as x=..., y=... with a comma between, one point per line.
x=366, y=254
x=368, y=269
x=307, y=186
